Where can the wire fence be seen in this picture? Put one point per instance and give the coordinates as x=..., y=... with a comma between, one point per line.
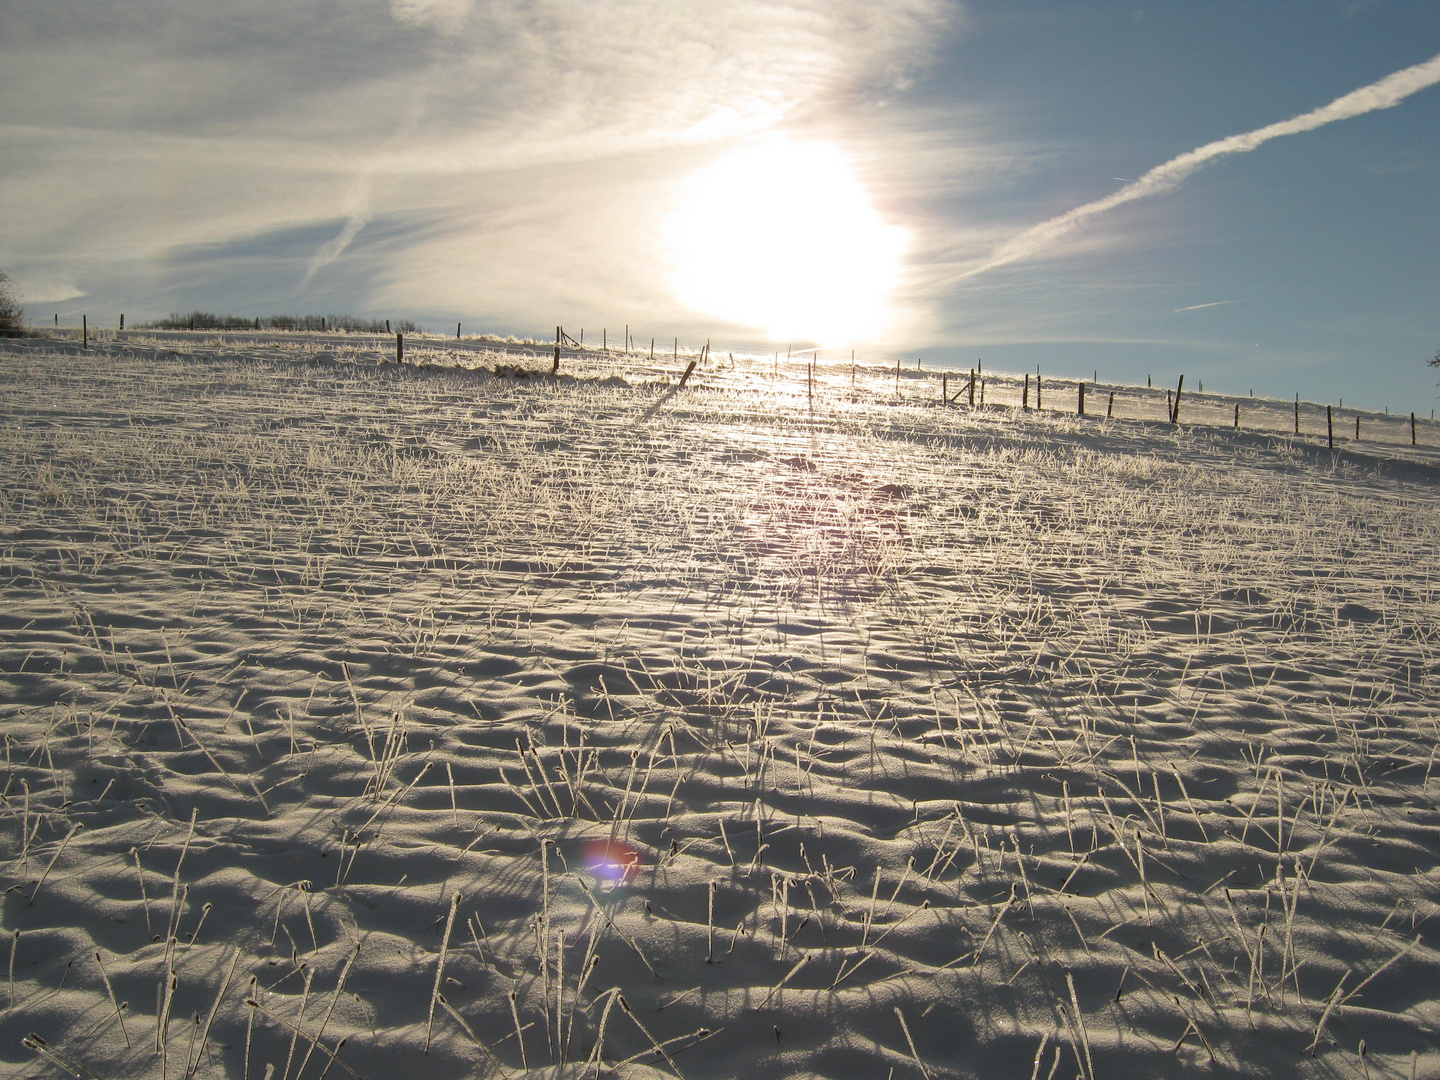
x=818, y=382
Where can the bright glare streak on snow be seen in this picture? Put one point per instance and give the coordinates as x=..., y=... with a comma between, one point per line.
x=783, y=236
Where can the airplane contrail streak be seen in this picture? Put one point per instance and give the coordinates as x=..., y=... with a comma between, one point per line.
x=1386, y=93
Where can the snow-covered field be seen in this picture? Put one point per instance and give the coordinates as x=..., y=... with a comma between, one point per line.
x=367, y=720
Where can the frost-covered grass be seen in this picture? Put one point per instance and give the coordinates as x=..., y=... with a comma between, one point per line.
x=950, y=742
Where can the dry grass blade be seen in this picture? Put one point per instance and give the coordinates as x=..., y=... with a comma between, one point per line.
x=209, y=1019
x=255, y=1005
x=910, y=1042
x=440, y=966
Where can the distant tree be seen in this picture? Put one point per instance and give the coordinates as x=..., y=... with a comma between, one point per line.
x=1436, y=361
x=12, y=312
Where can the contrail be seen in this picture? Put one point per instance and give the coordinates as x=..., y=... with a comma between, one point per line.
x=1388, y=92
x=357, y=209
x=1197, y=307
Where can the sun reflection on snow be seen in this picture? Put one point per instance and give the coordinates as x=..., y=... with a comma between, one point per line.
x=782, y=236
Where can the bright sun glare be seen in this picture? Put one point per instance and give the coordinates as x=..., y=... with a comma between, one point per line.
x=782, y=236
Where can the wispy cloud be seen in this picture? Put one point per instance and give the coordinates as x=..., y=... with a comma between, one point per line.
x=1213, y=303
x=357, y=210
x=1039, y=239
x=504, y=125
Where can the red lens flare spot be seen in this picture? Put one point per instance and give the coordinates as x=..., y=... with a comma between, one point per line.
x=611, y=860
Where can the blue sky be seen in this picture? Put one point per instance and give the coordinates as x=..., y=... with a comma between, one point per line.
x=518, y=165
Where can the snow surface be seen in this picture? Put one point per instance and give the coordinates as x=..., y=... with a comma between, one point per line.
x=337, y=697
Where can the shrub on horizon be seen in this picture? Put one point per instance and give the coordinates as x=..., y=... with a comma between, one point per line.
x=205, y=320
x=12, y=312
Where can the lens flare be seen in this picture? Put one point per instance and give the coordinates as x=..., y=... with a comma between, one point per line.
x=783, y=236
x=611, y=861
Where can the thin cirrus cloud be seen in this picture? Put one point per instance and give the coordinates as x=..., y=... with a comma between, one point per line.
x=572, y=81
x=1043, y=238
x=137, y=134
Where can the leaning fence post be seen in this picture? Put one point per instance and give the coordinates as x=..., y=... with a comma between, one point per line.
x=1175, y=411
x=684, y=378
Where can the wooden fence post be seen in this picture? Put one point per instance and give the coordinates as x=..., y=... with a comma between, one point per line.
x=1412, y=429
x=387, y=326
x=85, y=337
x=972, y=388
x=399, y=348
x=1357, y=427
x=944, y=386
x=1037, y=390
x=1025, y=394
x=457, y=331
x=1110, y=409
x=685, y=378
x=1175, y=411
x=555, y=367
x=1081, y=410
x=1329, y=428
x=897, y=374
x=122, y=320
x=1297, y=414
x=1237, y=416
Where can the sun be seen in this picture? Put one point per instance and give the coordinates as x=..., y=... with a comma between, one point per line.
x=782, y=236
